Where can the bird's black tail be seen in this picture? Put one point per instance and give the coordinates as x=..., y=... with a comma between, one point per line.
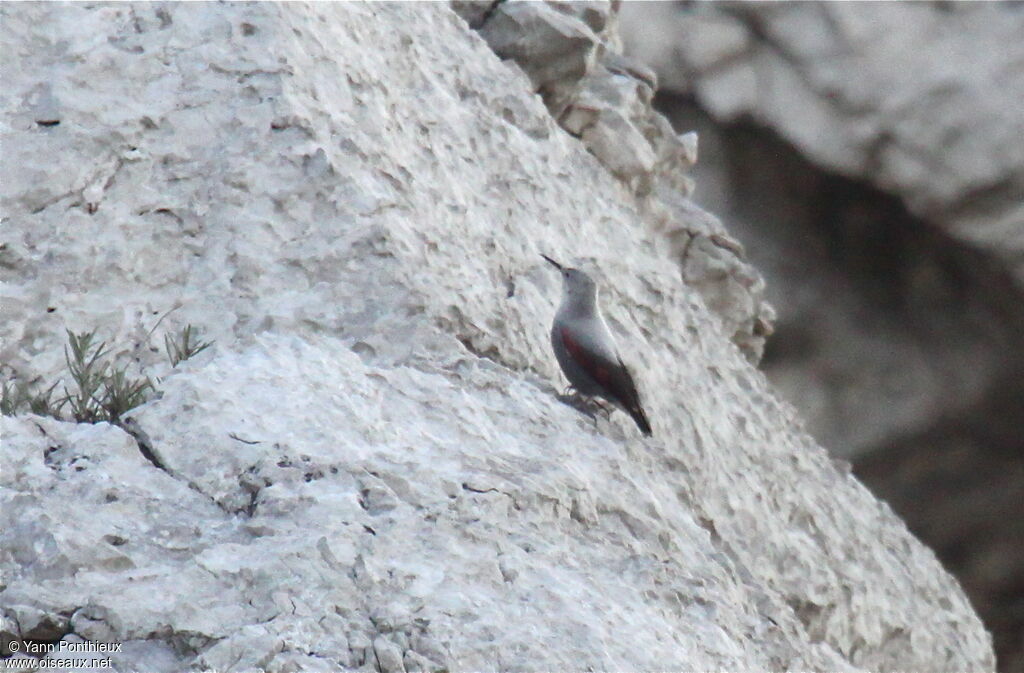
x=641, y=420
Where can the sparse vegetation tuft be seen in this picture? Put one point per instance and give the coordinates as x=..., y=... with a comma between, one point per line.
x=101, y=390
x=88, y=372
x=15, y=396
x=184, y=346
x=121, y=393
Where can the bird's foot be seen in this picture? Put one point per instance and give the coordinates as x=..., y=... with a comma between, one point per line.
x=578, y=402
x=587, y=405
x=602, y=406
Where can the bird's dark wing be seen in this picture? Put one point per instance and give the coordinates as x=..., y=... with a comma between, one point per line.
x=633, y=408
x=613, y=377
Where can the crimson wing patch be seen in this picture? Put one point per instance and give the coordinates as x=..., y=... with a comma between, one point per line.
x=613, y=377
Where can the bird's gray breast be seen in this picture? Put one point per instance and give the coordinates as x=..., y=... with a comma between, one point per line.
x=590, y=339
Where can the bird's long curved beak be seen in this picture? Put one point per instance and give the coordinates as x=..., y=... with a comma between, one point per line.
x=553, y=262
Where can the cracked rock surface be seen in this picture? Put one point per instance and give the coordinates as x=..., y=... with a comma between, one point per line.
x=868, y=156
x=370, y=469
x=572, y=54
x=921, y=100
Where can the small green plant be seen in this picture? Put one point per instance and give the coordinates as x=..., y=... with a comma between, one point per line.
x=122, y=393
x=87, y=371
x=104, y=392
x=184, y=346
x=101, y=391
x=15, y=396
x=43, y=404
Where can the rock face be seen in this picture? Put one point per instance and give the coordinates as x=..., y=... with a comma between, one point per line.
x=370, y=469
x=863, y=153
x=571, y=52
x=940, y=132
x=934, y=132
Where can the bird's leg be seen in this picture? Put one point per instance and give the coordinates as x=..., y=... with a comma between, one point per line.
x=596, y=404
x=570, y=396
x=578, y=402
x=591, y=405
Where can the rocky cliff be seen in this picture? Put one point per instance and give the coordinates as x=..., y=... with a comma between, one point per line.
x=868, y=156
x=370, y=469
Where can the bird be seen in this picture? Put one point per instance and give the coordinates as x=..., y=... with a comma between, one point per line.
x=585, y=349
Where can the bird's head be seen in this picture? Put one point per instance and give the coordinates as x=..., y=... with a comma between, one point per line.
x=576, y=284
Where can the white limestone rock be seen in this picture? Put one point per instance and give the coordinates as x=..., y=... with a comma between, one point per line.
x=551, y=46
x=857, y=88
x=899, y=333
x=370, y=468
x=572, y=55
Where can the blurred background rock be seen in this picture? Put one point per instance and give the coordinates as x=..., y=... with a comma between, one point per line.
x=870, y=157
